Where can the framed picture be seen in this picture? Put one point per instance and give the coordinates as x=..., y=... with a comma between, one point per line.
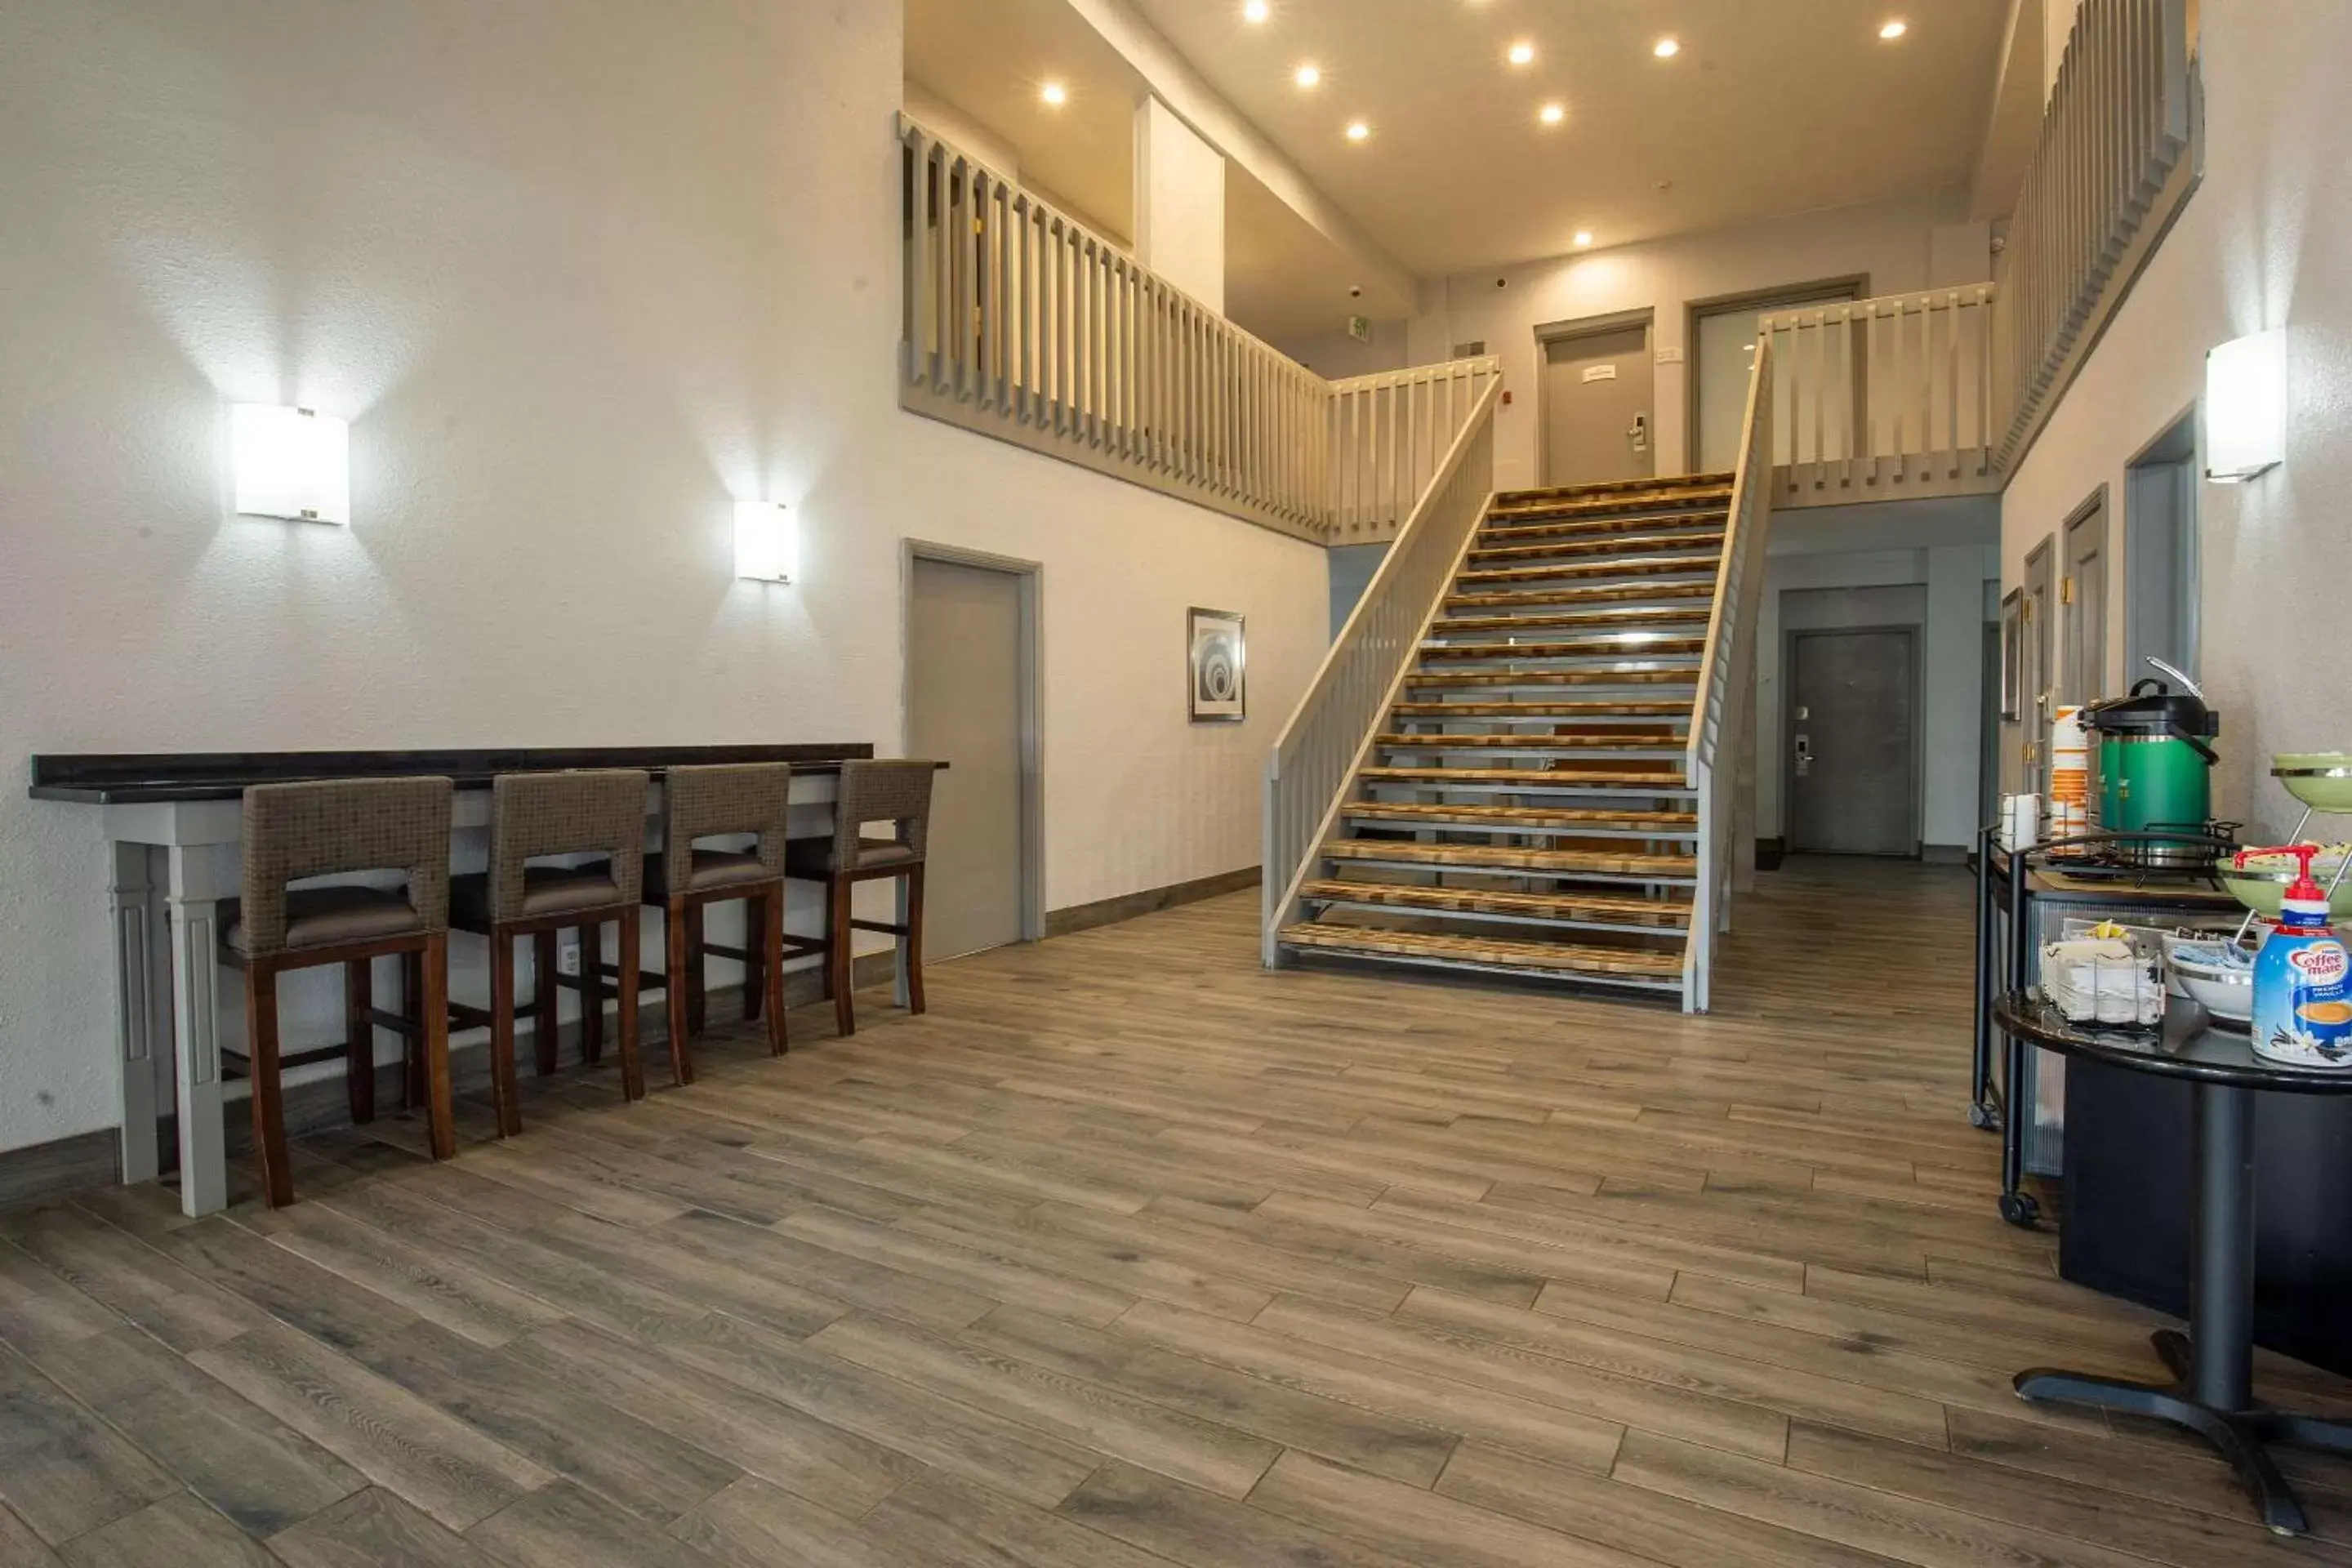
x=1216, y=665
x=2012, y=653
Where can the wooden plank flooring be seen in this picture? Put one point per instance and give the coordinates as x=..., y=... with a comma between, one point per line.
x=1132, y=1254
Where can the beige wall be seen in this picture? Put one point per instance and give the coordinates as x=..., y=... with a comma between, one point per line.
x=578, y=281
x=1179, y=205
x=2265, y=242
x=1892, y=244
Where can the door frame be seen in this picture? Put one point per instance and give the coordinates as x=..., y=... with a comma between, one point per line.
x=1029, y=675
x=1821, y=291
x=2180, y=441
x=2041, y=647
x=2088, y=687
x=1550, y=333
x=1909, y=631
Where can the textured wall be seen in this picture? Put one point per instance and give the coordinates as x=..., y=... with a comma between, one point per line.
x=580, y=271
x=2265, y=242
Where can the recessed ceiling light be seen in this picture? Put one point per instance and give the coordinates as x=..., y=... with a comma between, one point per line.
x=1358, y=130
x=1256, y=11
x=1667, y=48
x=1894, y=30
x=1583, y=236
x=1552, y=113
x=1307, y=75
x=1521, y=53
x=1054, y=93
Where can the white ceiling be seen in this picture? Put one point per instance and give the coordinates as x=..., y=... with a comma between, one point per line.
x=1772, y=107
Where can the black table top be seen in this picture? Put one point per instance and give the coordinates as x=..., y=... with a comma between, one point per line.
x=130, y=778
x=2186, y=1046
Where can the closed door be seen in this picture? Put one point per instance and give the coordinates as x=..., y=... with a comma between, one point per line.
x=1854, y=769
x=964, y=683
x=1597, y=419
x=2040, y=688
x=2085, y=594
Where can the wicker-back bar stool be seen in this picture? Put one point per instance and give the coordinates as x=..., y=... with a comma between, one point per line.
x=898, y=793
x=296, y=832
x=535, y=818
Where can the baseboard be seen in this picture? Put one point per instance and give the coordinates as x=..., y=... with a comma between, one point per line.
x=63, y=1165
x=1945, y=854
x=93, y=1159
x=1127, y=906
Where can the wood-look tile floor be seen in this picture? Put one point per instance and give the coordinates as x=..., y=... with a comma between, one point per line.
x=1130, y=1253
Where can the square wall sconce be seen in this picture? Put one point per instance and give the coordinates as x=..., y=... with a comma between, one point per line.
x=291, y=462
x=767, y=542
x=2245, y=408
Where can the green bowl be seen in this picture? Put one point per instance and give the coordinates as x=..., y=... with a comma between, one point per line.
x=2321, y=780
x=2262, y=888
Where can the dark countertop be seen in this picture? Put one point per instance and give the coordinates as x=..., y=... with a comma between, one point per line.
x=2150, y=887
x=2187, y=1045
x=138, y=778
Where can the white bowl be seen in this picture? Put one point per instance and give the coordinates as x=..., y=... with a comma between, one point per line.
x=2227, y=995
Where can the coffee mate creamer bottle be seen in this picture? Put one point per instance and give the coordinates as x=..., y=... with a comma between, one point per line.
x=2303, y=995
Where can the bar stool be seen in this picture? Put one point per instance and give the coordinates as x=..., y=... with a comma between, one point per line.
x=708, y=803
x=296, y=832
x=534, y=816
x=898, y=793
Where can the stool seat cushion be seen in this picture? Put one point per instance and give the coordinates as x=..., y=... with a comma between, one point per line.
x=814, y=856
x=331, y=916
x=707, y=869
x=546, y=891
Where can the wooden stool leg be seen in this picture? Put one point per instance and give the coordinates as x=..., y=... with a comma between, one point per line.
x=413, y=1009
x=913, y=940
x=503, y=1090
x=431, y=995
x=839, y=958
x=698, y=997
x=359, y=1038
x=542, y=1000
x=633, y=1071
x=674, y=937
x=767, y=915
x=268, y=1104
x=825, y=970
x=761, y=949
x=591, y=994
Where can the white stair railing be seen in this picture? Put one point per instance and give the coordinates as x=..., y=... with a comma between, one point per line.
x=1884, y=398
x=1388, y=433
x=1019, y=322
x=1314, y=762
x=1726, y=683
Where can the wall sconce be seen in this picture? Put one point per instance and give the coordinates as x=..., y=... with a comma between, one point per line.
x=767, y=542
x=2245, y=408
x=291, y=462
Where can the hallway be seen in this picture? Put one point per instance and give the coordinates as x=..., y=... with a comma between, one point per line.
x=1131, y=1252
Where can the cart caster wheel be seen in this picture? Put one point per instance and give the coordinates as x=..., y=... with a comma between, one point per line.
x=2019, y=1210
x=1980, y=1119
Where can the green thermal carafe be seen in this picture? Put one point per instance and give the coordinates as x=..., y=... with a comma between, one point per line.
x=2155, y=767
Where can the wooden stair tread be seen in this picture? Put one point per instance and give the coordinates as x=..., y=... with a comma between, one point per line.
x=1618, y=620
x=1629, y=567
x=1601, y=527
x=1566, y=648
x=1595, y=708
x=1510, y=857
x=1661, y=913
x=1709, y=478
x=1537, y=742
x=1631, y=502
x=1534, y=778
x=1564, y=957
x=1711, y=539
x=1607, y=593
x=1463, y=678
x=1506, y=817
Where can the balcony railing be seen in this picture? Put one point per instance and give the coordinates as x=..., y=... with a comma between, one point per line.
x=1020, y=323
x=1884, y=399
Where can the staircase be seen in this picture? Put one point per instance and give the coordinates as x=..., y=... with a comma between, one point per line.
x=1523, y=808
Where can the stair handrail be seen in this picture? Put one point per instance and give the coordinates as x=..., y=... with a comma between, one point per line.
x=1319, y=750
x=1725, y=675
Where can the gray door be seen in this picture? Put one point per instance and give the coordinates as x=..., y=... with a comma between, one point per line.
x=1598, y=421
x=2040, y=687
x=2160, y=555
x=2085, y=596
x=1853, y=770
x=963, y=706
